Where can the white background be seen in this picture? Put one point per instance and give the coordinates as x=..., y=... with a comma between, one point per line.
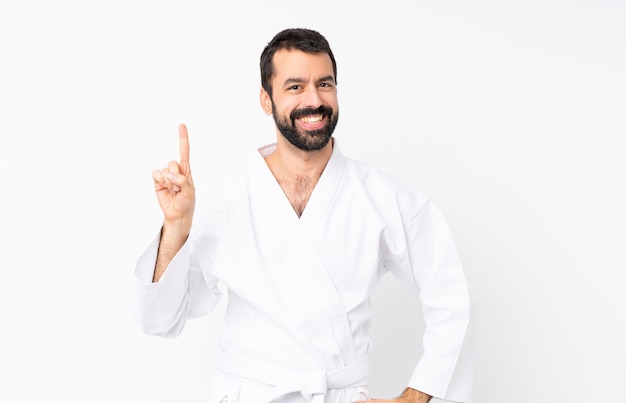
x=510, y=114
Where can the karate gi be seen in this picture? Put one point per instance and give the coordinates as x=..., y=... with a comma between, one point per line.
x=298, y=315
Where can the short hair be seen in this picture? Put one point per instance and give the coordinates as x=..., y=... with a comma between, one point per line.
x=305, y=40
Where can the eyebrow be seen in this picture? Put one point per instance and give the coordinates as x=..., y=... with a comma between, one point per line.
x=326, y=78
x=298, y=80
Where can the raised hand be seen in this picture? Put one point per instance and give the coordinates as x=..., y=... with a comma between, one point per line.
x=177, y=197
x=174, y=186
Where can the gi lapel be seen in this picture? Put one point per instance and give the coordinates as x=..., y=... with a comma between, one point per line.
x=323, y=193
x=305, y=290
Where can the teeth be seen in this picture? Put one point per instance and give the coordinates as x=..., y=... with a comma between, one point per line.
x=311, y=119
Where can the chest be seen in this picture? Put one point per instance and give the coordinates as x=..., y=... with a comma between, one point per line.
x=298, y=190
x=263, y=246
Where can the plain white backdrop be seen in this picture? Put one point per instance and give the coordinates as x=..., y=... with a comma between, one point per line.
x=510, y=114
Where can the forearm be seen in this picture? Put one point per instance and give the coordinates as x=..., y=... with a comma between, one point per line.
x=173, y=237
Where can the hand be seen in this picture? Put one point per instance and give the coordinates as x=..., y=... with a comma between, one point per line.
x=174, y=186
x=409, y=396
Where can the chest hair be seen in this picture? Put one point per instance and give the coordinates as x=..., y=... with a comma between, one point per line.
x=298, y=190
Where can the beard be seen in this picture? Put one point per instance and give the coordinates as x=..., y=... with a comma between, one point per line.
x=307, y=140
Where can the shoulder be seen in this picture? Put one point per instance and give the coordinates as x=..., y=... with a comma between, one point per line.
x=387, y=189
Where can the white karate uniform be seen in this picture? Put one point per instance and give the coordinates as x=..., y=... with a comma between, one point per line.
x=298, y=315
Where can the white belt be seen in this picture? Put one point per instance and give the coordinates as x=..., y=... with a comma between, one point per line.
x=313, y=384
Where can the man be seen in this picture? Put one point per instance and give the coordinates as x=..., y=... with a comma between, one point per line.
x=300, y=240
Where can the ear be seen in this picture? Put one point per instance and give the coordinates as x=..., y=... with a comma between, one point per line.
x=266, y=101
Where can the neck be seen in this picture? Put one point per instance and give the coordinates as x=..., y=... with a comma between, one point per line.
x=298, y=171
x=288, y=160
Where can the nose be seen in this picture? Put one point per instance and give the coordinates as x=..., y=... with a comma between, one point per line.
x=312, y=98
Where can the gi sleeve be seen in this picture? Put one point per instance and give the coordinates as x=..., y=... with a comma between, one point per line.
x=431, y=263
x=182, y=293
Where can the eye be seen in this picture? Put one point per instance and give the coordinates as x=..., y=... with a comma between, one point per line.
x=326, y=85
x=294, y=87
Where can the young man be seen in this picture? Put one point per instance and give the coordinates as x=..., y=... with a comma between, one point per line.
x=300, y=240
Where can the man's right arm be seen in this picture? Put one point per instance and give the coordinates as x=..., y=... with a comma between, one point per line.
x=175, y=193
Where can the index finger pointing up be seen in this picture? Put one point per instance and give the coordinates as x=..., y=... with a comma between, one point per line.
x=183, y=138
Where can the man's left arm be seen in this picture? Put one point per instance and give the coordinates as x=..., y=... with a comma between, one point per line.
x=432, y=265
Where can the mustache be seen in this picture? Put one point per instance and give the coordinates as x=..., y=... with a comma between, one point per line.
x=322, y=110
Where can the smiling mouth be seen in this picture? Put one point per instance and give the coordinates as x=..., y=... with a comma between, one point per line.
x=311, y=119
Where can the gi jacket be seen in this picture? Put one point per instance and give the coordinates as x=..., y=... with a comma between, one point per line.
x=299, y=288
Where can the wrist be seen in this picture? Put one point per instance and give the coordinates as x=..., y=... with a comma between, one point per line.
x=175, y=233
x=411, y=395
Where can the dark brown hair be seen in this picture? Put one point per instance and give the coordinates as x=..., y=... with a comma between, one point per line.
x=305, y=40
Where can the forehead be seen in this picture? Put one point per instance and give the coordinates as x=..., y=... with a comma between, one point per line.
x=298, y=64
